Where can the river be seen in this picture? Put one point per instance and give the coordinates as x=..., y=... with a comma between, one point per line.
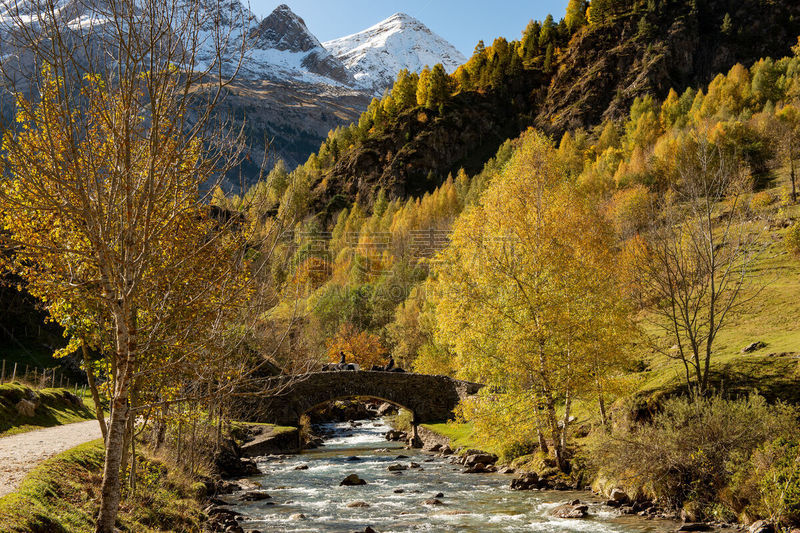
x=311, y=500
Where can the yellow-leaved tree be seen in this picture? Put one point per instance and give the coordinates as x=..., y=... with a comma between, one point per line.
x=103, y=207
x=527, y=298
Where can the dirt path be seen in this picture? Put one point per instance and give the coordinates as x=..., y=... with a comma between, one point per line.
x=19, y=454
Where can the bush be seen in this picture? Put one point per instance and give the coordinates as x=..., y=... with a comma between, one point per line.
x=767, y=484
x=684, y=457
x=762, y=201
x=792, y=239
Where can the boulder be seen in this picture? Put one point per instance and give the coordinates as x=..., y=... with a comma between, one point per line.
x=762, y=526
x=446, y=450
x=695, y=526
x=506, y=470
x=574, y=509
x=482, y=458
x=353, y=505
x=619, y=496
x=254, y=496
x=353, y=458
x=396, y=435
x=297, y=516
x=526, y=481
x=754, y=346
x=386, y=409
x=433, y=501
x=301, y=467
x=26, y=408
x=396, y=467
x=352, y=481
x=414, y=465
x=435, y=448
x=478, y=468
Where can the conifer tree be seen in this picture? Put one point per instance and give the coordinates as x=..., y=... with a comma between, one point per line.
x=423, y=86
x=576, y=15
x=404, y=91
x=438, y=87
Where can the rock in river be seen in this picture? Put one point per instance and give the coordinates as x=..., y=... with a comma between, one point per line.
x=352, y=480
x=573, y=509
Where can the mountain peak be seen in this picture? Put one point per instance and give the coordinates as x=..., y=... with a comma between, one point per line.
x=283, y=30
x=377, y=54
x=400, y=16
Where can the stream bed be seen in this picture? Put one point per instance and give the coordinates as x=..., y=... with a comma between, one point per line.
x=306, y=496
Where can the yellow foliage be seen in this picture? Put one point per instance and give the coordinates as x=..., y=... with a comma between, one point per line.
x=359, y=347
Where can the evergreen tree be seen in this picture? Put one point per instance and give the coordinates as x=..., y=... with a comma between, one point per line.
x=576, y=15
x=423, y=86
x=404, y=91
x=547, y=34
x=548, y=58
x=530, y=40
x=438, y=87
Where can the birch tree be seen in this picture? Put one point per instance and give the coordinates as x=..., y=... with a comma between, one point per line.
x=115, y=139
x=522, y=293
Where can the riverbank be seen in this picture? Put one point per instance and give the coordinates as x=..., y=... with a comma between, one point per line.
x=61, y=496
x=404, y=490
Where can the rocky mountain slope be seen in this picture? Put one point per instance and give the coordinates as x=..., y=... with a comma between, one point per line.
x=591, y=74
x=375, y=56
x=290, y=88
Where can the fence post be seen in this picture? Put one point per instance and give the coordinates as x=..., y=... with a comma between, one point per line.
x=14, y=377
x=3, y=374
x=53, y=379
x=26, y=373
x=61, y=379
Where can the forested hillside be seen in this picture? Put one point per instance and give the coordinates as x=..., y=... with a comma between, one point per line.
x=559, y=75
x=592, y=219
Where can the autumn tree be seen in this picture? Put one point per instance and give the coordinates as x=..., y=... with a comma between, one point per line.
x=789, y=121
x=695, y=265
x=438, y=87
x=359, y=347
x=102, y=204
x=576, y=15
x=525, y=295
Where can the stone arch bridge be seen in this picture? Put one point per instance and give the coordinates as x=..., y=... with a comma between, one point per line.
x=429, y=398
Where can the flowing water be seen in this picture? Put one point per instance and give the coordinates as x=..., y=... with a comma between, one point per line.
x=471, y=502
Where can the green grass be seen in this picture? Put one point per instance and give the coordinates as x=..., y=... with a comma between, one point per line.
x=54, y=409
x=461, y=435
x=62, y=496
x=771, y=315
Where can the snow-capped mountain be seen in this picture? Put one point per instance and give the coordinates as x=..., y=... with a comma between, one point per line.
x=377, y=54
x=290, y=88
x=282, y=48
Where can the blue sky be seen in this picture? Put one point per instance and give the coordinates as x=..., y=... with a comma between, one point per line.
x=462, y=22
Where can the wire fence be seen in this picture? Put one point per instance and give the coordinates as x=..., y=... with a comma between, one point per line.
x=37, y=377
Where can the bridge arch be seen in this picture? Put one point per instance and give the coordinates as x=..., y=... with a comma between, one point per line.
x=429, y=398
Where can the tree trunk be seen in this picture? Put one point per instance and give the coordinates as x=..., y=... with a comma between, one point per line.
x=794, y=183
x=539, y=433
x=567, y=405
x=110, y=491
x=98, y=408
x=111, y=488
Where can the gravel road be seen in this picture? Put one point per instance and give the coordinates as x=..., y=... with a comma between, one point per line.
x=19, y=454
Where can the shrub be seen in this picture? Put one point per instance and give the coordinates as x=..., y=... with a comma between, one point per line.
x=684, y=455
x=792, y=239
x=767, y=484
x=762, y=201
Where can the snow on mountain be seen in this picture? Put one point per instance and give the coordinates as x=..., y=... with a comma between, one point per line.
x=377, y=54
